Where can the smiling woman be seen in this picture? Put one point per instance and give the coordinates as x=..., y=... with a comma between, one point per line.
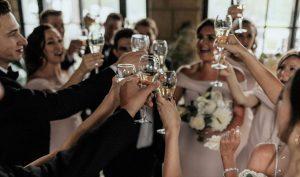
x=44, y=54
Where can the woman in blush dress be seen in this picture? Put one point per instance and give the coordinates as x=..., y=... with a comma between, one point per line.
x=263, y=125
x=44, y=53
x=194, y=80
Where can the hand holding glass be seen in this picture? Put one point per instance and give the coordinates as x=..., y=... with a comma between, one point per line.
x=125, y=70
x=148, y=68
x=240, y=5
x=168, y=81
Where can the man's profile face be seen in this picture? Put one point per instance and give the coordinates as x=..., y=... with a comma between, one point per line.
x=124, y=46
x=11, y=40
x=57, y=22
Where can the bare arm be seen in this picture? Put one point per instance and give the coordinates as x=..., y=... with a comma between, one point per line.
x=88, y=63
x=228, y=146
x=178, y=93
x=269, y=83
x=171, y=121
x=238, y=95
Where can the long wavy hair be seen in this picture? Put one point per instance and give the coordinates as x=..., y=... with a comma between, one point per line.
x=34, y=51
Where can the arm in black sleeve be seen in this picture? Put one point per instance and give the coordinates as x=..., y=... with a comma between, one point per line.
x=94, y=150
x=32, y=104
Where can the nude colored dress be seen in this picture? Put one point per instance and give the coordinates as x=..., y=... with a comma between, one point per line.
x=197, y=160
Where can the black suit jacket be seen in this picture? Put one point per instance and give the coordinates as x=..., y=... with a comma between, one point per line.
x=144, y=162
x=25, y=114
x=93, y=151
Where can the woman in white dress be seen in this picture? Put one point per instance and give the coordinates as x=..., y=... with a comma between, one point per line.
x=44, y=54
x=194, y=80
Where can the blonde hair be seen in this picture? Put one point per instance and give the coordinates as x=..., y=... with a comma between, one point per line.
x=184, y=50
x=288, y=54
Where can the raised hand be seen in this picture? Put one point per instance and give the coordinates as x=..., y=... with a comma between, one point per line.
x=168, y=114
x=90, y=62
x=133, y=97
x=234, y=47
x=229, y=143
x=229, y=71
x=234, y=11
x=75, y=46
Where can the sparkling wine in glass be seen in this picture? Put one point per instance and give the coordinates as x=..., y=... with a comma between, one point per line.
x=148, y=69
x=125, y=70
x=223, y=24
x=240, y=5
x=96, y=41
x=140, y=42
x=160, y=49
x=83, y=38
x=168, y=81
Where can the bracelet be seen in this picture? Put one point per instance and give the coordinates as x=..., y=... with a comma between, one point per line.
x=229, y=170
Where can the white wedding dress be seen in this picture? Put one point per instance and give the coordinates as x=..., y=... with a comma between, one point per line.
x=197, y=160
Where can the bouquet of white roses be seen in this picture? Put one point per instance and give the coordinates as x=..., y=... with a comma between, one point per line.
x=208, y=111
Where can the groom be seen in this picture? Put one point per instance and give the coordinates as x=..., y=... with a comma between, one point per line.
x=23, y=111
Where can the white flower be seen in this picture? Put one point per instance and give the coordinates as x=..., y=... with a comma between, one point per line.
x=213, y=143
x=216, y=95
x=221, y=119
x=209, y=107
x=197, y=122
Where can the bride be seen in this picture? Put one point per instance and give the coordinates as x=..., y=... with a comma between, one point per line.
x=194, y=80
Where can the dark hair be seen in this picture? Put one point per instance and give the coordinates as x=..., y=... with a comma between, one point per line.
x=294, y=98
x=147, y=22
x=123, y=33
x=114, y=16
x=4, y=7
x=288, y=54
x=34, y=50
x=206, y=22
x=49, y=12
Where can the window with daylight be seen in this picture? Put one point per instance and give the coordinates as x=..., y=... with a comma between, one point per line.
x=277, y=31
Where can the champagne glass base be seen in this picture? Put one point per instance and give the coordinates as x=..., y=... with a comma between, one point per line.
x=142, y=121
x=218, y=66
x=216, y=84
x=161, y=131
x=240, y=31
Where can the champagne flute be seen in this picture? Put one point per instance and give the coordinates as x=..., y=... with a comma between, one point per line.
x=139, y=42
x=240, y=5
x=148, y=68
x=160, y=49
x=125, y=70
x=217, y=57
x=168, y=81
x=83, y=38
x=223, y=24
x=96, y=41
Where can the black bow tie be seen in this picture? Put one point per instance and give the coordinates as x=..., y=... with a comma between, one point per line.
x=12, y=74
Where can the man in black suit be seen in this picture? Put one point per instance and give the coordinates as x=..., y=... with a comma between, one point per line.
x=142, y=159
x=96, y=148
x=22, y=111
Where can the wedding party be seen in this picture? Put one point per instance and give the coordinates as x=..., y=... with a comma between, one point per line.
x=149, y=88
